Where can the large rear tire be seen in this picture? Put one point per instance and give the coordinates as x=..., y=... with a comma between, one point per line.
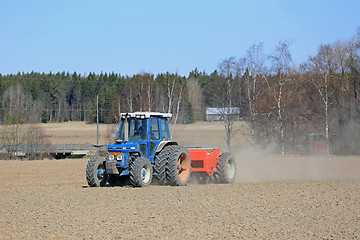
x=178, y=166
x=95, y=172
x=141, y=172
x=226, y=168
x=160, y=165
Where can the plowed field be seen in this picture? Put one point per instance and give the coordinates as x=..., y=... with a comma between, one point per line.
x=273, y=198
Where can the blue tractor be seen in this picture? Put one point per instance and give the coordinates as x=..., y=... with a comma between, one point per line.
x=143, y=150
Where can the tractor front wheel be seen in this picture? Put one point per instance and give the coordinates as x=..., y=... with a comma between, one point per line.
x=178, y=166
x=141, y=172
x=226, y=168
x=95, y=172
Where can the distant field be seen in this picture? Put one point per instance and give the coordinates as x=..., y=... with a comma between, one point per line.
x=199, y=132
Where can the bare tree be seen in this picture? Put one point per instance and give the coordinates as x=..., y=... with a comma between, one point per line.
x=325, y=65
x=227, y=68
x=353, y=63
x=281, y=63
x=341, y=86
x=240, y=70
x=344, y=93
x=21, y=140
x=110, y=130
x=170, y=90
x=129, y=98
x=177, y=108
x=15, y=98
x=11, y=136
x=20, y=107
x=35, y=140
x=195, y=97
x=149, y=86
x=171, y=85
x=254, y=60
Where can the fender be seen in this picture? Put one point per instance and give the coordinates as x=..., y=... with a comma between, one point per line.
x=162, y=144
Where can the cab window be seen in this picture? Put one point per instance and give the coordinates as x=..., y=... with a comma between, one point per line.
x=154, y=129
x=137, y=130
x=165, y=128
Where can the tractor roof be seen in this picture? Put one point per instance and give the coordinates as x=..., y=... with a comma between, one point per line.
x=146, y=114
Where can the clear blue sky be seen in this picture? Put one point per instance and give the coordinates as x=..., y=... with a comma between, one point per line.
x=129, y=37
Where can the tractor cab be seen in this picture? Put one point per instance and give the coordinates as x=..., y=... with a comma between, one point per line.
x=141, y=134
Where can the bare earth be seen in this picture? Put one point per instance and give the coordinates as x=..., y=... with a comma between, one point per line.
x=273, y=198
x=50, y=199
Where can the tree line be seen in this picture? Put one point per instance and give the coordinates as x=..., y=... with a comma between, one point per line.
x=282, y=103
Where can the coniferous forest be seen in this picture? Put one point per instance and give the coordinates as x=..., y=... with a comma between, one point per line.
x=281, y=102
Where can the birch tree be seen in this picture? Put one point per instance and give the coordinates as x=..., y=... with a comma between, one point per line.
x=281, y=63
x=130, y=96
x=324, y=65
x=177, y=109
x=353, y=63
x=227, y=68
x=195, y=96
x=170, y=90
x=149, y=86
x=254, y=61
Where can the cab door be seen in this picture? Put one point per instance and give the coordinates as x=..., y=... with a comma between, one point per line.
x=155, y=137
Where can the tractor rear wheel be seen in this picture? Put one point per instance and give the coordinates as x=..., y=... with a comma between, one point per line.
x=160, y=164
x=226, y=168
x=95, y=172
x=178, y=166
x=141, y=172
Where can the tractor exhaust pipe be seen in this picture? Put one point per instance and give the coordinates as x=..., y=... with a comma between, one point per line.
x=126, y=129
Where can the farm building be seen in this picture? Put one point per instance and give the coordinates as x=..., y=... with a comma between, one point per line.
x=217, y=114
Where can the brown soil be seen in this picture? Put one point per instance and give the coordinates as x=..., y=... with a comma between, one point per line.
x=50, y=199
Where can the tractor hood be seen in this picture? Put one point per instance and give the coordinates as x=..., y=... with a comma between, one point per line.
x=124, y=146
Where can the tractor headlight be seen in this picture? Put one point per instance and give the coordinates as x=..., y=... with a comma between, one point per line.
x=119, y=158
x=111, y=157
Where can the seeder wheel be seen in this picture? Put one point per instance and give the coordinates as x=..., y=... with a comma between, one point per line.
x=226, y=168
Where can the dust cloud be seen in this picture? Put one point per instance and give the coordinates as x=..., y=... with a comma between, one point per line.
x=262, y=165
